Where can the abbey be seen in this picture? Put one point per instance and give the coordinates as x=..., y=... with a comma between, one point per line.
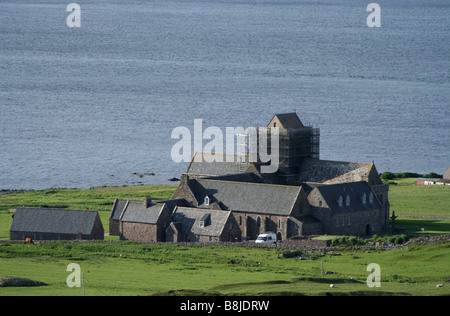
x=232, y=200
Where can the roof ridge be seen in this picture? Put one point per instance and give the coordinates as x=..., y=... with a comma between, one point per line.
x=298, y=187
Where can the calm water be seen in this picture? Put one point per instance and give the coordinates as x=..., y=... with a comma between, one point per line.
x=89, y=106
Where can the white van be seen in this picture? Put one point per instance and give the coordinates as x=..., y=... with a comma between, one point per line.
x=266, y=238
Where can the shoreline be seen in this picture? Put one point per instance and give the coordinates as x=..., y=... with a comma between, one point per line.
x=20, y=191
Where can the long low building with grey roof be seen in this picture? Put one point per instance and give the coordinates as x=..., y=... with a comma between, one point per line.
x=56, y=224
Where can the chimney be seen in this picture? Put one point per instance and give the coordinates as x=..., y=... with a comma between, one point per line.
x=184, y=179
x=147, y=202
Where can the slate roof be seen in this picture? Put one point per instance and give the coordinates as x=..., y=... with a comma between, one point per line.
x=324, y=171
x=355, y=190
x=215, y=168
x=239, y=177
x=118, y=207
x=47, y=220
x=248, y=197
x=188, y=219
x=136, y=212
x=289, y=120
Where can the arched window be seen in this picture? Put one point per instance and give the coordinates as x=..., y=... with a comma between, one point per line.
x=258, y=221
x=341, y=201
x=206, y=200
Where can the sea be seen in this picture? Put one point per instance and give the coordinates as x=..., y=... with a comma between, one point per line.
x=96, y=105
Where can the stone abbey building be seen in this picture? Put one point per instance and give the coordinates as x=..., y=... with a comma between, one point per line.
x=232, y=200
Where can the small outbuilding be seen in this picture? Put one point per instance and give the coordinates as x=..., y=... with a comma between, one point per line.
x=146, y=221
x=56, y=224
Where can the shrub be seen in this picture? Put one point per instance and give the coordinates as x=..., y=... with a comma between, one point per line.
x=343, y=241
x=398, y=240
x=387, y=176
x=433, y=175
x=405, y=237
x=404, y=175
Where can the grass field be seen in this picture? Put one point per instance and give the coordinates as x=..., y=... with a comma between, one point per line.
x=126, y=268
x=408, y=199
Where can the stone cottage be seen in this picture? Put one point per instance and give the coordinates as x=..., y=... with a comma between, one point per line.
x=145, y=221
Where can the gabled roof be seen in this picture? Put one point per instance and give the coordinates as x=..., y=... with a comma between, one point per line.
x=288, y=121
x=328, y=172
x=188, y=219
x=118, y=207
x=137, y=212
x=47, y=220
x=354, y=190
x=247, y=197
x=229, y=164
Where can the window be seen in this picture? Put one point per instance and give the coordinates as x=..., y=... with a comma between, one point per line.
x=347, y=200
x=337, y=221
x=343, y=221
x=205, y=221
x=240, y=220
x=320, y=203
x=349, y=220
x=279, y=223
x=371, y=197
x=274, y=124
x=341, y=201
x=206, y=200
x=364, y=198
x=258, y=221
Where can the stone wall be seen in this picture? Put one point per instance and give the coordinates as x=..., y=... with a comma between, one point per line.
x=140, y=232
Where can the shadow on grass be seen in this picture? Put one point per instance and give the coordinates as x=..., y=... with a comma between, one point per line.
x=432, y=226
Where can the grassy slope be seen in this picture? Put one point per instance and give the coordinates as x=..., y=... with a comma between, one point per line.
x=408, y=199
x=125, y=268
